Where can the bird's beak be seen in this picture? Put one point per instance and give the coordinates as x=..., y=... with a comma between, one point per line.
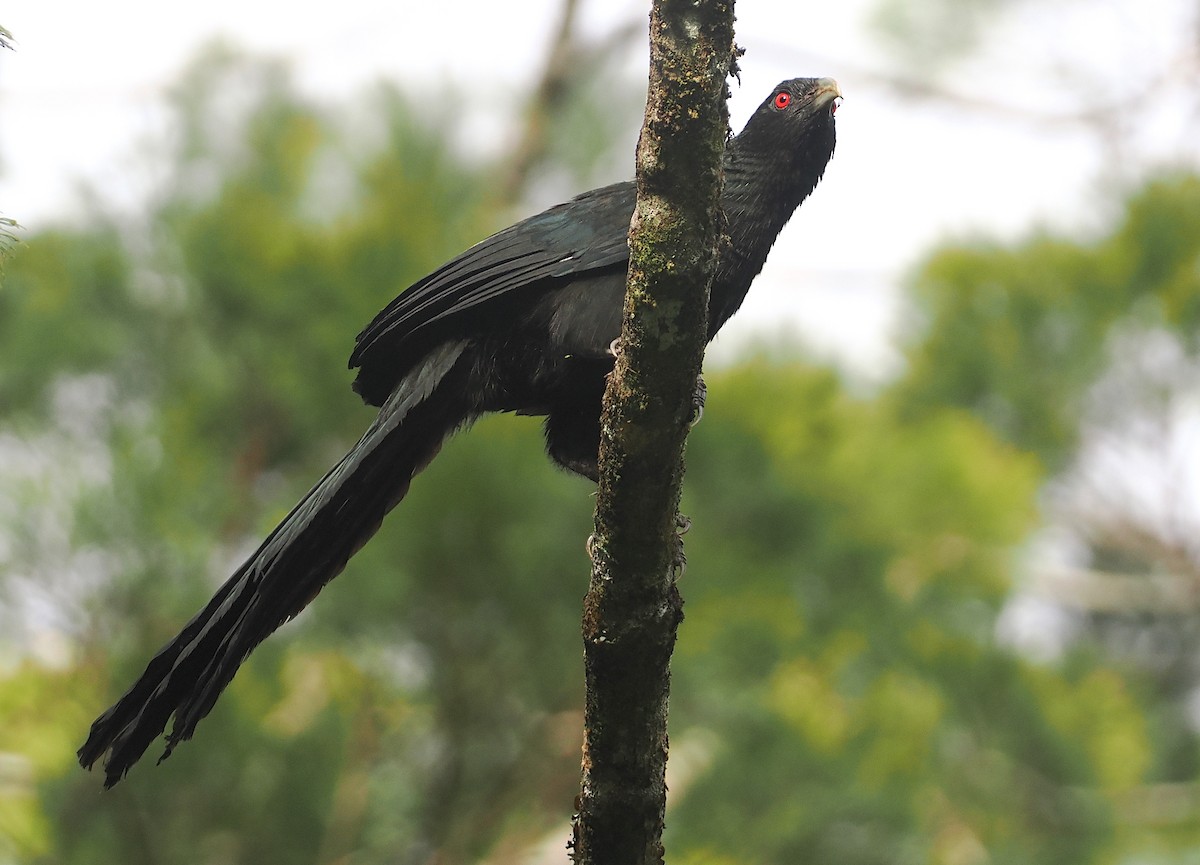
x=827, y=92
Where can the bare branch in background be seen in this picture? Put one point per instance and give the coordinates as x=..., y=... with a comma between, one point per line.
x=569, y=61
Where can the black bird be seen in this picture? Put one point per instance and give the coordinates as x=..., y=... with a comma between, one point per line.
x=521, y=322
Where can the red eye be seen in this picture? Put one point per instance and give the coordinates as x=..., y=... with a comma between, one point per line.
x=782, y=100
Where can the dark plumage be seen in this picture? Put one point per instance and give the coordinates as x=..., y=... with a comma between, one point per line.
x=521, y=322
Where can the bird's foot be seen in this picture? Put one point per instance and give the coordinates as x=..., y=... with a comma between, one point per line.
x=678, y=556
x=699, y=396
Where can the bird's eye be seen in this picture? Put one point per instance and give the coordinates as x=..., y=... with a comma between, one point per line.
x=782, y=100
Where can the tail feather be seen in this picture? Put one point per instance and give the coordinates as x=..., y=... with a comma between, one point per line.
x=304, y=552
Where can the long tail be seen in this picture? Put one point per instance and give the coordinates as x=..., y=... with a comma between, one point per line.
x=304, y=552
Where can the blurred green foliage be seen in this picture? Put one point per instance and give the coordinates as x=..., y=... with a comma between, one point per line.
x=839, y=692
x=1016, y=334
x=930, y=35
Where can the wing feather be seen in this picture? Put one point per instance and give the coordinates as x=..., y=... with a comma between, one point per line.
x=573, y=239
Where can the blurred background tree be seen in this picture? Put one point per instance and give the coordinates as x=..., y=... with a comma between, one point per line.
x=934, y=621
x=7, y=224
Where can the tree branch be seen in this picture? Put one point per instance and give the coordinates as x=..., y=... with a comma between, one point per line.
x=633, y=609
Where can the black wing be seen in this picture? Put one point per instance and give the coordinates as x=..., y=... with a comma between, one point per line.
x=576, y=239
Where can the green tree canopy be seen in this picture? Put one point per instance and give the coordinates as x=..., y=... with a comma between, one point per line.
x=175, y=378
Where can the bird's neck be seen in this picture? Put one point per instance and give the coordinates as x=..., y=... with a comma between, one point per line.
x=760, y=195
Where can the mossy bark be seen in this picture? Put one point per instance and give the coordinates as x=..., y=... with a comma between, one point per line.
x=633, y=608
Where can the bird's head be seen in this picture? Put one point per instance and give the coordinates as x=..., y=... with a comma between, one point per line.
x=811, y=97
x=794, y=126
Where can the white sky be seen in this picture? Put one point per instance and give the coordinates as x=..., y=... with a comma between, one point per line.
x=85, y=85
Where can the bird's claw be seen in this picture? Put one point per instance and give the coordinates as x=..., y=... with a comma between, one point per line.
x=678, y=557
x=699, y=396
x=678, y=564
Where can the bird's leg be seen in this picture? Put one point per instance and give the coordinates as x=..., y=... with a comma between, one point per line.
x=699, y=395
x=678, y=556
